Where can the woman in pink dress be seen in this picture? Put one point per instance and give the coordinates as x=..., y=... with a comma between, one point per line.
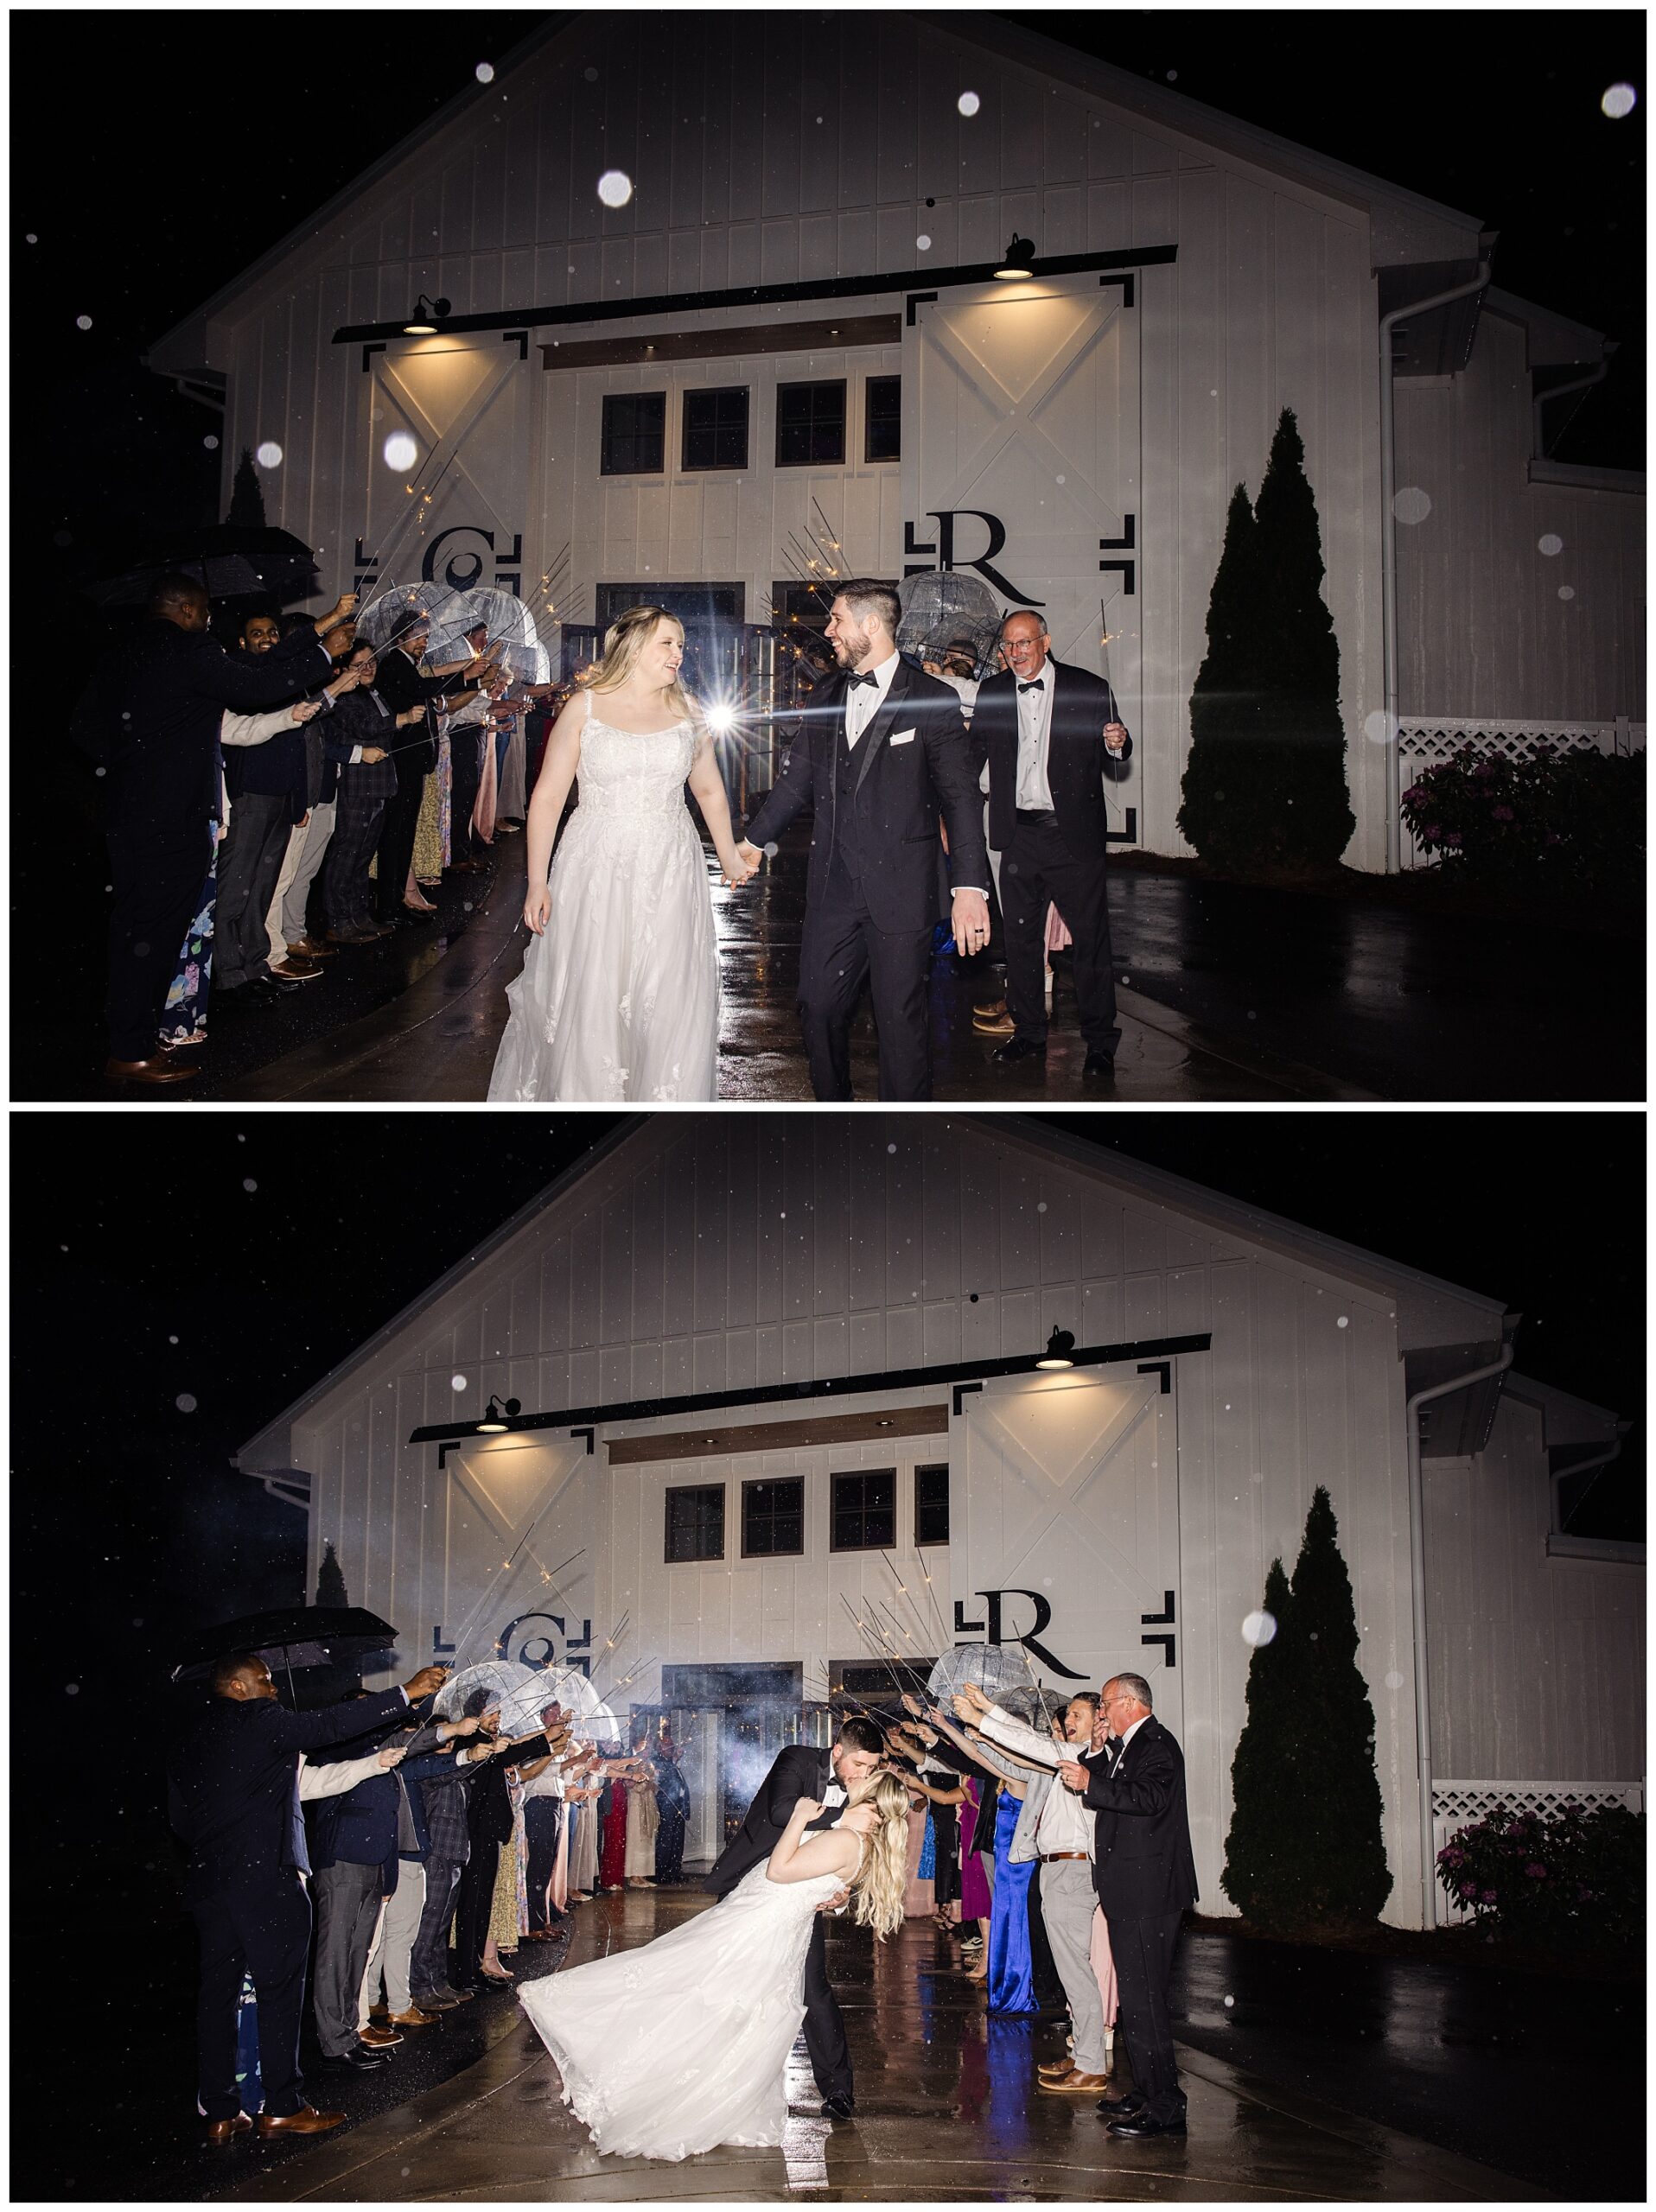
x=975, y=1901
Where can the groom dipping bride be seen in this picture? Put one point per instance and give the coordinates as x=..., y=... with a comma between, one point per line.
x=682, y=2044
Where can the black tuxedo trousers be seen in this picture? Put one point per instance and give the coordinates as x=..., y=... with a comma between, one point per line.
x=258, y=1924
x=1038, y=866
x=843, y=950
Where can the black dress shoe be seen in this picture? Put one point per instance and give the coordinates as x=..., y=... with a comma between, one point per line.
x=838, y=2108
x=1141, y=2125
x=263, y=990
x=1020, y=1048
x=1100, y=1063
x=358, y=2061
x=1121, y=2108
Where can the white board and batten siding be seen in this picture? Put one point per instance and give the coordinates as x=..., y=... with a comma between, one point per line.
x=1537, y=1659
x=705, y=1254
x=763, y=153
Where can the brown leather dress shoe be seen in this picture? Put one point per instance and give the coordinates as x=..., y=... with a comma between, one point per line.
x=1077, y=2085
x=312, y=948
x=377, y=2038
x=1056, y=2069
x=163, y=1068
x=414, y=2018
x=306, y=2121
x=224, y=2131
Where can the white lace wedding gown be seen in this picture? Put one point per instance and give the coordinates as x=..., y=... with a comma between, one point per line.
x=620, y=999
x=683, y=2045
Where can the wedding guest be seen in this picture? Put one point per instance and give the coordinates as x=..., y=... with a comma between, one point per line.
x=1063, y=1845
x=405, y=688
x=285, y=922
x=391, y=1953
x=1012, y=1962
x=361, y=739
x=1145, y=1874
x=151, y=718
x=352, y=1836
x=643, y=1822
x=672, y=1802
x=488, y=1827
x=543, y=1809
x=449, y=1846
x=507, y=1915
x=233, y=1798
x=612, y=1851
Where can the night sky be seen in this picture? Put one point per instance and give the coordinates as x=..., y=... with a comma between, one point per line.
x=200, y=140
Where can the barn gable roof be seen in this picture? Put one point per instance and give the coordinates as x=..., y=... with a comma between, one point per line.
x=1407, y=227
x=1430, y=1310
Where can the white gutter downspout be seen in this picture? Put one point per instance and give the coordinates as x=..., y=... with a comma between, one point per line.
x=1417, y=1578
x=1389, y=557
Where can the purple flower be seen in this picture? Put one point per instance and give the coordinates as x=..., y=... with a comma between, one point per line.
x=1535, y=1873
x=1503, y=814
x=1489, y=1897
x=1453, y=838
x=1432, y=832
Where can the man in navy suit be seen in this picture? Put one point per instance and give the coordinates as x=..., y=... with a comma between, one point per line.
x=233, y=1798
x=882, y=757
x=1144, y=1873
x=1051, y=735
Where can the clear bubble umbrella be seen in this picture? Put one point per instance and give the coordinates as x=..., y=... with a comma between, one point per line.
x=999, y=1669
x=940, y=609
x=510, y=625
x=402, y=609
x=499, y=1677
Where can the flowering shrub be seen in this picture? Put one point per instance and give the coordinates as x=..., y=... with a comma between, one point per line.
x=1568, y=822
x=1570, y=1878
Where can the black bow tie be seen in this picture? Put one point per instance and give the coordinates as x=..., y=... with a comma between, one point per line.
x=1036, y=684
x=868, y=678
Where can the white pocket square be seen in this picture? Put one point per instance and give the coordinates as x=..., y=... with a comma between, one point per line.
x=902, y=737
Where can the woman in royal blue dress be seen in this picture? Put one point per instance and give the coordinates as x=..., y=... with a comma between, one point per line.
x=1011, y=1967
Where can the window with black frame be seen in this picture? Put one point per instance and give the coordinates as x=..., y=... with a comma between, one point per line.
x=865, y=1511
x=694, y=1522
x=715, y=429
x=772, y=1518
x=811, y=425
x=932, y=1505
x=883, y=419
x=634, y=440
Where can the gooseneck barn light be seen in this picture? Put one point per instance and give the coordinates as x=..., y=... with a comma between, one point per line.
x=497, y=1419
x=1019, y=260
x=1060, y=1345
x=427, y=314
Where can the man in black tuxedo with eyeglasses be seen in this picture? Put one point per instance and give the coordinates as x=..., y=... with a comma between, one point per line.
x=883, y=754
x=1052, y=736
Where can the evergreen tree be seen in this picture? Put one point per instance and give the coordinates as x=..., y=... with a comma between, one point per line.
x=1217, y=816
x=330, y=1580
x=1305, y=1850
x=247, y=498
x=1304, y=731
x=1264, y=786
x=1260, y=1772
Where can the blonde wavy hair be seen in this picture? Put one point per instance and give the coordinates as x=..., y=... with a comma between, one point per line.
x=881, y=1881
x=624, y=640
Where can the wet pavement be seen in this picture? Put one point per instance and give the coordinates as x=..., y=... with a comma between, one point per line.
x=437, y=1042
x=1229, y=994
x=947, y=2112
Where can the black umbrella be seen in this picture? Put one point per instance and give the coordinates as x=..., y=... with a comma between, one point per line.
x=229, y=560
x=293, y=1636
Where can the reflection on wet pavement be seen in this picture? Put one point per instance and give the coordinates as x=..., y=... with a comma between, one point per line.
x=437, y=1041
x=946, y=2113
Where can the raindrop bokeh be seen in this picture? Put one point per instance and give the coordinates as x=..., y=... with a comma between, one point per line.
x=1411, y=505
x=268, y=456
x=456, y=1383
x=1258, y=1628
x=1550, y=544
x=485, y=73
x=1619, y=100
x=83, y=322
x=968, y=103
x=614, y=187
x=400, y=450
x=185, y=1404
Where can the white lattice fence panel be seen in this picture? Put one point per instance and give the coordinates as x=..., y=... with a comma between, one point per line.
x=1426, y=740
x=1456, y=1804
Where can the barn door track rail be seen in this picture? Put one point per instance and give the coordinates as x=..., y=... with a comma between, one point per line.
x=964, y=1372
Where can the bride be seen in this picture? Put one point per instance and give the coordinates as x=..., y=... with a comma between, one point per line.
x=618, y=996
x=682, y=2044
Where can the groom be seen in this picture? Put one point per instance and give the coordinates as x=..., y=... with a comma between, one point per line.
x=881, y=759
x=827, y=1776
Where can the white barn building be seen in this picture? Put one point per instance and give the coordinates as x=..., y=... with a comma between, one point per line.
x=771, y=1367
x=786, y=346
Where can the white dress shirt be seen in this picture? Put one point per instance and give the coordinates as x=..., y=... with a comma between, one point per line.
x=1128, y=1738
x=1063, y=1823
x=862, y=703
x=1035, y=741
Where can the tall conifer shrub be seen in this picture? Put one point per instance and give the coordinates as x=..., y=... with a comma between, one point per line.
x=1305, y=1851
x=330, y=1580
x=247, y=495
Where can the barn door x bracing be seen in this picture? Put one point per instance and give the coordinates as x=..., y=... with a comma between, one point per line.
x=1025, y=427
x=1071, y=1535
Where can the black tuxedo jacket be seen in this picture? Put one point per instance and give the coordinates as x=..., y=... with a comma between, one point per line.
x=232, y=1783
x=900, y=791
x=799, y=1771
x=1078, y=759
x=1143, y=1864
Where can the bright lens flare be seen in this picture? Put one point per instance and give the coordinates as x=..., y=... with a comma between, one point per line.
x=720, y=719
